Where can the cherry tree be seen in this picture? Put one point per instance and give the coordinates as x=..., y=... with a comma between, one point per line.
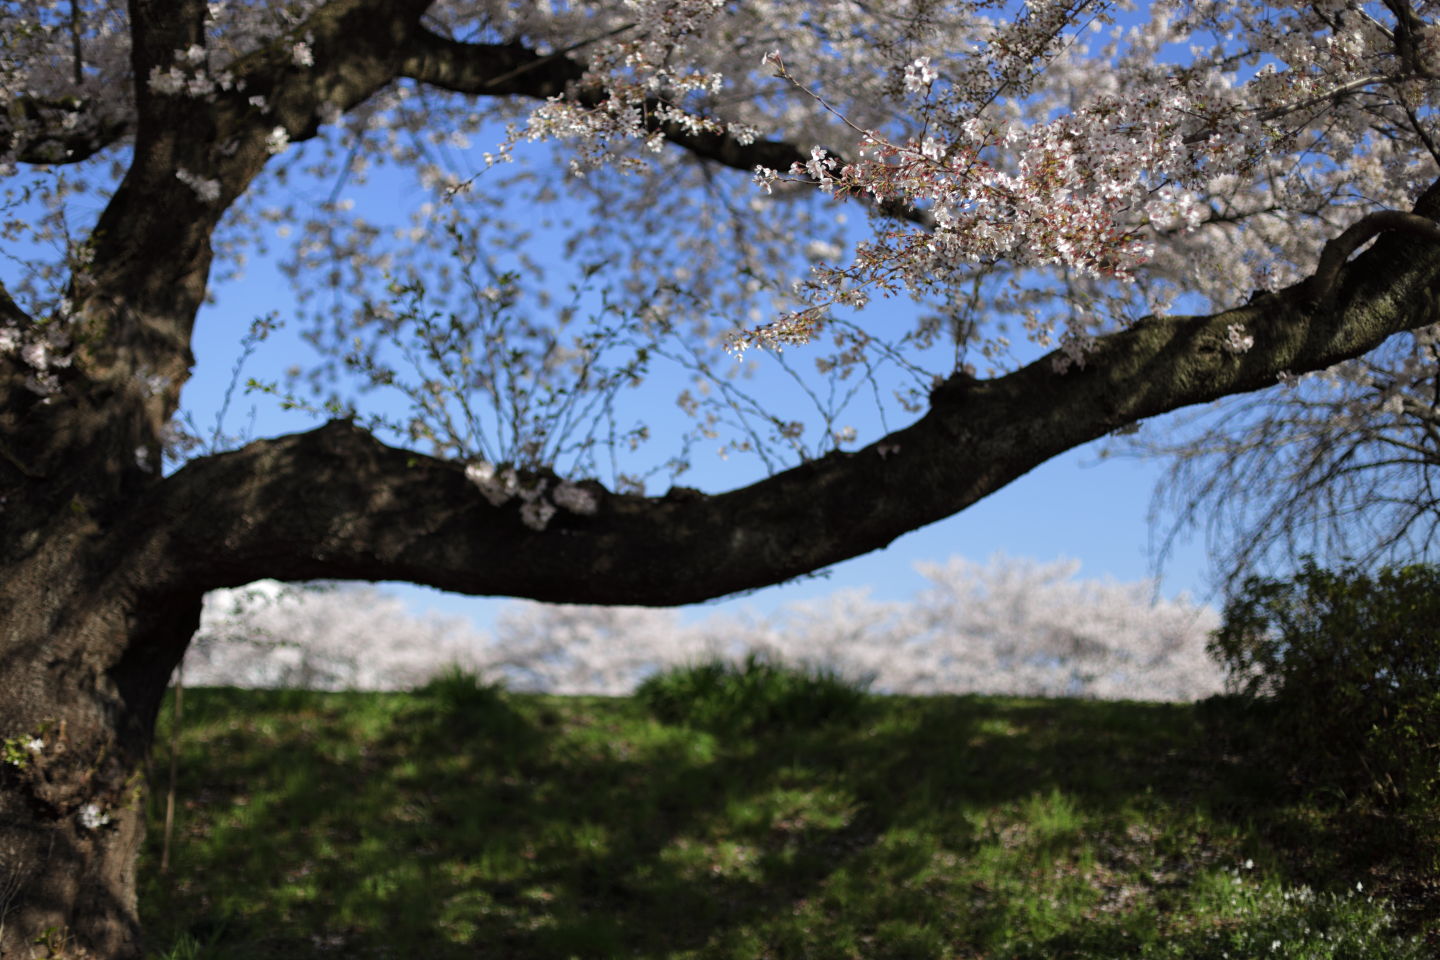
x=731, y=182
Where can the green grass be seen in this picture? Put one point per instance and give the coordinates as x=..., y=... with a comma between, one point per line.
x=466, y=822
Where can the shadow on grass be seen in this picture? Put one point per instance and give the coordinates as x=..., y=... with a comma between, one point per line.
x=465, y=822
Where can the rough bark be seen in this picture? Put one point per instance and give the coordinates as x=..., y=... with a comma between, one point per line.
x=86, y=655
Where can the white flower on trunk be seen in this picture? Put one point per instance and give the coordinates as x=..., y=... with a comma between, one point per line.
x=92, y=817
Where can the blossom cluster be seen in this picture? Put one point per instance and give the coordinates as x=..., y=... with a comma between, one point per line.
x=206, y=188
x=44, y=350
x=1087, y=191
x=641, y=70
x=189, y=76
x=93, y=817
x=540, y=497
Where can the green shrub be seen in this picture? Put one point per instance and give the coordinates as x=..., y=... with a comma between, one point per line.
x=459, y=688
x=751, y=697
x=461, y=704
x=1350, y=666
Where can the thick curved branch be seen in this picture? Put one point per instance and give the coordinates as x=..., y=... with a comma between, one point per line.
x=1337, y=251
x=10, y=311
x=195, y=155
x=58, y=133
x=150, y=252
x=337, y=503
x=513, y=70
x=12, y=320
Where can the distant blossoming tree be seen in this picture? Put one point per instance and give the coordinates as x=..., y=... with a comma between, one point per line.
x=1008, y=626
x=321, y=637
x=722, y=179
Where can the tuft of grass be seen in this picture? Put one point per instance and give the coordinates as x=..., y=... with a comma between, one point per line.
x=457, y=688
x=752, y=697
x=462, y=821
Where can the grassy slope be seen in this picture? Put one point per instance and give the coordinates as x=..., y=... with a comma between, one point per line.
x=464, y=823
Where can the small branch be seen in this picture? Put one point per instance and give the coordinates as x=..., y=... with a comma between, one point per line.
x=512, y=70
x=14, y=461
x=1275, y=113
x=557, y=55
x=10, y=310
x=174, y=768
x=75, y=48
x=1425, y=138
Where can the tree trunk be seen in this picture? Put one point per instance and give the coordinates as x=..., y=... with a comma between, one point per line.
x=86, y=652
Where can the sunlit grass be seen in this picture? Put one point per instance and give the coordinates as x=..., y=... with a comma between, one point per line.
x=464, y=821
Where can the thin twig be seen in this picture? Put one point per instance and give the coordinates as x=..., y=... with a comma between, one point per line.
x=75, y=47
x=178, y=713
x=557, y=55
